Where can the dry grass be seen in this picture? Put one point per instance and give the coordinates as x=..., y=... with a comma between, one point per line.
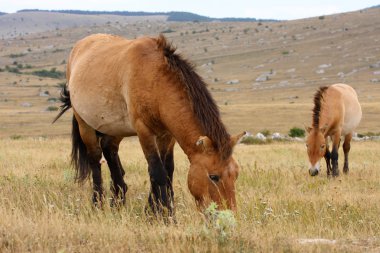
x=42, y=210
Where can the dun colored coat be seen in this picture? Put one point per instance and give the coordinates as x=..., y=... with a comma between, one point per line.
x=336, y=113
x=119, y=88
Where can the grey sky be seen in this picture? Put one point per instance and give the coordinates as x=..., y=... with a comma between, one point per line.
x=276, y=9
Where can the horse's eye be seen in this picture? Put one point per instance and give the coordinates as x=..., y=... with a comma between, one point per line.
x=214, y=178
x=307, y=145
x=323, y=146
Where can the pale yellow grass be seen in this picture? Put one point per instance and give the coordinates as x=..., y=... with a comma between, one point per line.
x=42, y=210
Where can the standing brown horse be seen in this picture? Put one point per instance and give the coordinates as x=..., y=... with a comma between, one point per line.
x=119, y=88
x=336, y=113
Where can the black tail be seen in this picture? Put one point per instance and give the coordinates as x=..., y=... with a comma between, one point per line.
x=79, y=157
x=66, y=103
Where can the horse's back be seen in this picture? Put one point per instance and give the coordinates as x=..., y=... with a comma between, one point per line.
x=352, y=112
x=96, y=73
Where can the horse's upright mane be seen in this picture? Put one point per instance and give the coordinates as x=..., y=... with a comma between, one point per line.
x=318, y=97
x=204, y=106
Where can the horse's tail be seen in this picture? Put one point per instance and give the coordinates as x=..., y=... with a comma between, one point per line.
x=66, y=102
x=79, y=157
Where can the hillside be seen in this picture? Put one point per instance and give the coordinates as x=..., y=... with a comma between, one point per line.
x=263, y=75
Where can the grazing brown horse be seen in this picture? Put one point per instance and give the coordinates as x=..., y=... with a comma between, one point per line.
x=336, y=113
x=119, y=88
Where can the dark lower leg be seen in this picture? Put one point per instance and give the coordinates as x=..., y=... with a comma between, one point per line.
x=165, y=145
x=334, y=162
x=346, y=150
x=328, y=161
x=110, y=151
x=96, y=176
x=159, y=195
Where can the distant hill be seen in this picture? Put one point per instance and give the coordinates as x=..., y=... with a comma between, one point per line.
x=2, y=13
x=172, y=16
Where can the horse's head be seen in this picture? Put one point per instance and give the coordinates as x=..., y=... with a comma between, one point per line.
x=316, y=148
x=212, y=178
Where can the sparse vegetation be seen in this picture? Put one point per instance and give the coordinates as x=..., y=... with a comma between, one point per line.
x=52, y=73
x=17, y=55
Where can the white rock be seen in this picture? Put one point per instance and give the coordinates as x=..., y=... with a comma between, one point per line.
x=260, y=136
x=234, y=81
x=276, y=136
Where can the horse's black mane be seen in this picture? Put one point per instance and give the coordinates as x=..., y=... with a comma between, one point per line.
x=318, y=97
x=204, y=106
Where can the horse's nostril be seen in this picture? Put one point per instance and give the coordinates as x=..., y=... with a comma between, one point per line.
x=313, y=172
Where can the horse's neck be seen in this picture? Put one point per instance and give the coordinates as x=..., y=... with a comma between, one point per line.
x=181, y=121
x=186, y=132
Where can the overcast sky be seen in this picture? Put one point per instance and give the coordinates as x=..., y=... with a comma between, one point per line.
x=276, y=9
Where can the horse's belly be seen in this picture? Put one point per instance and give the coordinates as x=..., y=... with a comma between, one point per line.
x=352, y=117
x=103, y=115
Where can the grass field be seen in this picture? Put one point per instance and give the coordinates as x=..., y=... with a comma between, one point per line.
x=280, y=207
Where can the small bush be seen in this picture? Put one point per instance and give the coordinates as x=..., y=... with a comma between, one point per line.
x=265, y=132
x=168, y=31
x=297, y=132
x=321, y=17
x=52, y=108
x=15, y=137
x=12, y=69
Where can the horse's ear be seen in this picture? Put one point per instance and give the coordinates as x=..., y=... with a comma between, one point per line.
x=204, y=143
x=323, y=129
x=307, y=128
x=237, y=138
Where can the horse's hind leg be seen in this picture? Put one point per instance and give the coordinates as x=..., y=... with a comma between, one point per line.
x=165, y=145
x=94, y=154
x=346, y=150
x=110, y=147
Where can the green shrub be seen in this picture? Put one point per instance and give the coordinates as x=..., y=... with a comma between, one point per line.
x=52, y=73
x=265, y=132
x=52, y=108
x=15, y=137
x=297, y=132
x=12, y=69
x=168, y=31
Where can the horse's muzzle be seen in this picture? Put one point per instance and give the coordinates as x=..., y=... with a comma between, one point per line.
x=313, y=172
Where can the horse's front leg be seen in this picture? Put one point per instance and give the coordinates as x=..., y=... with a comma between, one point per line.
x=346, y=150
x=159, y=200
x=165, y=145
x=328, y=158
x=334, y=154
